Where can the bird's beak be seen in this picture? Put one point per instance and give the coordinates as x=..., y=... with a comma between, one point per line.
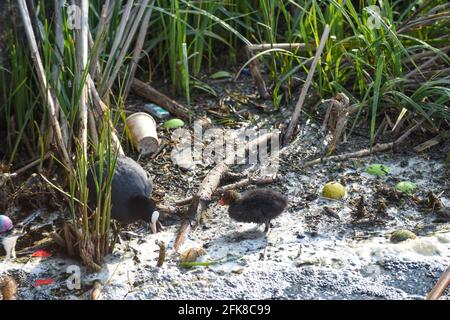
x=222, y=202
x=153, y=221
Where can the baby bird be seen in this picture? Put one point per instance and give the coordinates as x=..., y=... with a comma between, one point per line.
x=257, y=206
x=131, y=189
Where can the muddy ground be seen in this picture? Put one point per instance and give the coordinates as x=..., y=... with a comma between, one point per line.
x=311, y=253
x=317, y=249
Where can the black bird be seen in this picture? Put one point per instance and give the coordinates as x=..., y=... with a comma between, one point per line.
x=131, y=189
x=257, y=205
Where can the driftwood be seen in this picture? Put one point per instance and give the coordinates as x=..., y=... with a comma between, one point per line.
x=206, y=190
x=145, y=90
x=242, y=183
x=256, y=74
x=440, y=286
x=365, y=152
x=301, y=100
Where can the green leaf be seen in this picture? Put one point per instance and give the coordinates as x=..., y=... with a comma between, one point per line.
x=406, y=187
x=204, y=87
x=378, y=170
x=220, y=75
x=173, y=124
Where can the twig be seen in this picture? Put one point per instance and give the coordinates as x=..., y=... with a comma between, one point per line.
x=30, y=165
x=144, y=90
x=440, y=286
x=365, y=152
x=242, y=183
x=256, y=74
x=335, y=118
x=301, y=100
x=416, y=12
x=432, y=142
x=162, y=253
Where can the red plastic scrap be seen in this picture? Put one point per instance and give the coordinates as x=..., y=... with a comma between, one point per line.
x=41, y=254
x=43, y=282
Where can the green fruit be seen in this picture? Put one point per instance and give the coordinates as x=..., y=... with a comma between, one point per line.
x=402, y=235
x=378, y=170
x=406, y=187
x=173, y=124
x=333, y=190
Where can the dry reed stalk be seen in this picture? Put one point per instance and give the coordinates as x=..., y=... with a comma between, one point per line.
x=128, y=37
x=301, y=100
x=138, y=48
x=45, y=90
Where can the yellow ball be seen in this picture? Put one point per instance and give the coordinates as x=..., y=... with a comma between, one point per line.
x=333, y=190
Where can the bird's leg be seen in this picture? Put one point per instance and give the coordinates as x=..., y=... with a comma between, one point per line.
x=267, y=230
x=116, y=231
x=267, y=227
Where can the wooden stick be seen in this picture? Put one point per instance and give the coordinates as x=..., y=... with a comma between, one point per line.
x=256, y=74
x=301, y=100
x=440, y=286
x=242, y=183
x=365, y=152
x=207, y=187
x=432, y=142
x=32, y=164
x=45, y=90
x=162, y=253
x=144, y=90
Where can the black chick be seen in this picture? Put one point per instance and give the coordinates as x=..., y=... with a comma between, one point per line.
x=257, y=206
x=131, y=189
